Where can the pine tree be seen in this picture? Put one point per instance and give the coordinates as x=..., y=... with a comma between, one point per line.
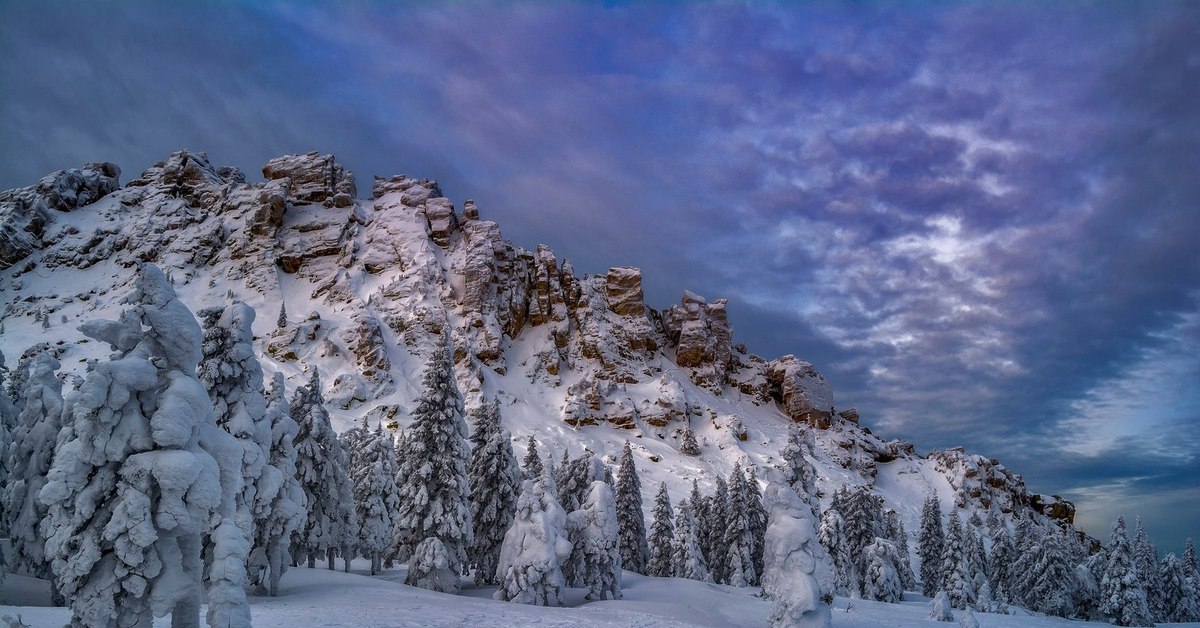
x=562, y=478
x=534, y=548
x=532, y=464
x=494, y=479
x=976, y=559
x=282, y=321
x=1191, y=574
x=288, y=504
x=137, y=474
x=687, y=561
x=1174, y=600
x=1050, y=584
x=8, y=421
x=233, y=378
x=1000, y=564
x=321, y=470
x=739, y=535
x=789, y=578
x=758, y=518
x=713, y=528
x=29, y=459
x=580, y=474
x=433, y=498
x=833, y=539
x=1145, y=556
x=797, y=466
x=881, y=580
x=689, y=447
x=957, y=580
x=862, y=516
x=894, y=531
x=631, y=522
x=595, y=525
x=376, y=496
x=662, y=532
x=700, y=513
x=1122, y=596
x=930, y=545
x=939, y=607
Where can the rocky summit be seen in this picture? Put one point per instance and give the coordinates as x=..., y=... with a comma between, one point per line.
x=372, y=286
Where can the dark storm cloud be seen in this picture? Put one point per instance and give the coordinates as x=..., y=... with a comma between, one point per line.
x=978, y=221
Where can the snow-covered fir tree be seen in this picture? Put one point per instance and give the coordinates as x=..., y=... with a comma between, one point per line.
x=494, y=480
x=758, y=518
x=862, y=515
x=712, y=529
x=930, y=542
x=534, y=547
x=662, y=532
x=894, y=531
x=631, y=523
x=233, y=377
x=976, y=556
x=595, y=526
x=140, y=472
x=1122, y=595
x=434, y=499
x=1048, y=586
x=430, y=568
x=739, y=535
x=939, y=607
x=957, y=580
x=1000, y=564
x=376, y=496
x=322, y=473
x=687, y=561
x=532, y=464
x=689, y=447
x=1174, y=600
x=1145, y=556
x=8, y=421
x=881, y=580
x=288, y=505
x=281, y=321
x=29, y=458
x=790, y=567
x=1086, y=595
x=833, y=540
x=798, y=470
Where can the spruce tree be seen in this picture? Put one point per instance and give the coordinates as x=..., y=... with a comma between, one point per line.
x=687, y=561
x=832, y=536
x=376, y=496
x=894, y=531
x=142, y=472
x=532, y=464
x=595, y=526
x=494, y=479
x=29, y=458
x=758, y=518
x=862, y=517
x=713, y=528
x=957, y=580
x=288, y=504
x=790, y=565
x=1122, y=596
x=662, y=532
x=434, y=496
x=689, y=447
x=1145, y=556
x=1052, y=579
x=534, y=547
x=739, y=534
x=321, y=469
x=1000, y=564
x=930, y=546
x=631, y=523
x=797, y=466
x=1174, y=600
x=282, y=321
x=881, y=580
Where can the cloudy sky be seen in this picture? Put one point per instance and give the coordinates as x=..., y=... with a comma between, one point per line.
x=980, y=222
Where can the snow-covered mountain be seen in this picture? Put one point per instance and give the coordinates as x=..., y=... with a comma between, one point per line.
x=371, y=286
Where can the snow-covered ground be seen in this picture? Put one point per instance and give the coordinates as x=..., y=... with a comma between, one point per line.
x=318, y=597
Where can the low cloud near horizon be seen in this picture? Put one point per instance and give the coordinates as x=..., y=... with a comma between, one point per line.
x=981, y=222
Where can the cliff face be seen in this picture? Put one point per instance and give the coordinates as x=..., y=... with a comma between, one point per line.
x=372, y=286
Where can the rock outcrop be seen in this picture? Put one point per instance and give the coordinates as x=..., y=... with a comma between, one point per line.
x=313, y=178
x=25, y=212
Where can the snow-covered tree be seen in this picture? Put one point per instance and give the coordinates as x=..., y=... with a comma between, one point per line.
x=595, y=525
x=798, y=470
x=233, y=378
x=712, y=529
x=967, y=619
x=141, y=472
x=894, y=531
x=687, y=561
x=376, y=496
x=631, y=523
x=532, y=464
x=434, y=493
x=1122, y=596
x=430, y=568
x=534, y=548
x=929, y=546
x=494, y=480
x=30, y=455
x=1145, y=556
x=1000, y=564
x=833, y=539
x=1174, y=600
x=662, y=532
x=862, y=516
x=282, y=321
x=790, y=567
x=1086, y=595
x=739, y=535
x=957, y=580
x=881, y=581
x=758, y=518
x=321, y=470
x=976, y=556
x=8, y=422
x=1049, y=585
x=939, y=607
x=288, y=505
x=689, y=447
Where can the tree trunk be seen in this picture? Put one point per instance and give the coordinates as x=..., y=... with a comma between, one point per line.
x=186, y=613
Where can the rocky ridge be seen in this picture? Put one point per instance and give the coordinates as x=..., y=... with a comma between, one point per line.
x=374, y=285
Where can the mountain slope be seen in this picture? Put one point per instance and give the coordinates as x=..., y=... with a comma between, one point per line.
x=372, y=286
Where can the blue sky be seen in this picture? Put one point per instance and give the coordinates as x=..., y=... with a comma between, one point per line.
x=980, y=221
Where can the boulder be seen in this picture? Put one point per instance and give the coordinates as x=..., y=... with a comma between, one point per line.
x=800, y=390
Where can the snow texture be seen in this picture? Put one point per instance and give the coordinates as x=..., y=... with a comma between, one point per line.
x=790, y=580
x=534, y=548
